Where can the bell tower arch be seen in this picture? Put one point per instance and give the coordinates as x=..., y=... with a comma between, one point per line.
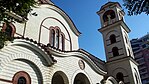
x=120, y=59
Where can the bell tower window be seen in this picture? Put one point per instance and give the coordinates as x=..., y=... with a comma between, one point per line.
x=108, y=15
x=120, y=76
x=115, y=51
x=113, y=38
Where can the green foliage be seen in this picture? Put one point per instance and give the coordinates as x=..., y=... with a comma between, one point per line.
x=136, y=7
x=3, y=38
x=20, y=7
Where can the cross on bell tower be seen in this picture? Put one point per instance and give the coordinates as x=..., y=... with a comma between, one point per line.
x=120, y=59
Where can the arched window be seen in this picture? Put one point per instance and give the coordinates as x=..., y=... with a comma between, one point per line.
x=9, y=29
x=62, y=42
x=21, y=80
x=110, y=14
x=115, y=51
x=57, y=38
x=59, y=78
x=120, y=76
x=52, y=41
x=113, y=38
x=81, y=79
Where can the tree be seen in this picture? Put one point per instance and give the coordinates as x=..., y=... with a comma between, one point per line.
x=11, y=11
x=17, y=7
x=136, y=7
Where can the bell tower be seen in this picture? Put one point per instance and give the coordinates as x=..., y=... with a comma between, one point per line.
x=120, y=59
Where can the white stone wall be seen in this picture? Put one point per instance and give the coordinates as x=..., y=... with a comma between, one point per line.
x=37, y=27
x=15, y=58
x=69, y=66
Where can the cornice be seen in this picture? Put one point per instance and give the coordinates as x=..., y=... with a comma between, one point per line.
x=117, y=23
x=81, y=55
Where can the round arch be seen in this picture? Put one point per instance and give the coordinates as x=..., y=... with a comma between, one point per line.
x=30, y=54
x=21, y=77
x=59, y=77
x=109, y=12
x=121, y=74
x=53, y=18
x=46, y=60
x=81, y=79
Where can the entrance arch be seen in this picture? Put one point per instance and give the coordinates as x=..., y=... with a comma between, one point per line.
x=81, y=79
x=59, y=78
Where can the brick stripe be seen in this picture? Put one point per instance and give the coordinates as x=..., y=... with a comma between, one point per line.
x=5, y=80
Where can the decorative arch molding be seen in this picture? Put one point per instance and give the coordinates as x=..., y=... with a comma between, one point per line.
x=79, y=55
x=112, y=32
x=35, y=65
x=64, y=15
x=38, y=70
x=121, y=70
x=22, y=77
x=52, y=28
x=46, y=60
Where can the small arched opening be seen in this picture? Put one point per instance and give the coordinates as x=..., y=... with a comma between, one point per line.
x=52, y=36
x=112, y=38
x=21, y=78
x=62, y=42
x=81, y=79
x=9, y=29
x=120, y=77
x=59, y=78
x=115, y=51
x=57, y=38
x=110, y=14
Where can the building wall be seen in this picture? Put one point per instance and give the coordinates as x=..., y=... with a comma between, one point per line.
x=22, y=58
x=37, y=27
x=141, y=54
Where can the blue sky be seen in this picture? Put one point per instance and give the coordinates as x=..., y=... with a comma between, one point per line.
x=83, y=14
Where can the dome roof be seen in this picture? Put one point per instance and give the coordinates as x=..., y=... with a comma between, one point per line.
x=45, y=1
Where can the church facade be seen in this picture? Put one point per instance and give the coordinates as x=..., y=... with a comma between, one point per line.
x=45, y=50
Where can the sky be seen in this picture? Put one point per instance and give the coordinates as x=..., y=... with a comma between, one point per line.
x=83, y=14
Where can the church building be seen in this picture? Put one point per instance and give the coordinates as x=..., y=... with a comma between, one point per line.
x=45, y=50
